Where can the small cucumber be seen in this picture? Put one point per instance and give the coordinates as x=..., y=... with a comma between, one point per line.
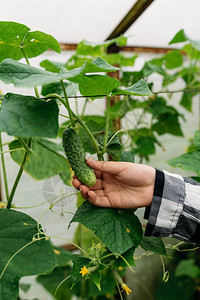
x=76, y=156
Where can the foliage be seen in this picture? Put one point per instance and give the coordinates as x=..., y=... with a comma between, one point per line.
x=33, y=121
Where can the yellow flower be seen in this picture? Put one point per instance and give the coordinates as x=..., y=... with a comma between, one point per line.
x=84, y=271
x=120, y=268
x=126, y=288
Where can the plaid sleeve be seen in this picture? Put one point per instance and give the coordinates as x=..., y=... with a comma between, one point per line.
x=175, y=208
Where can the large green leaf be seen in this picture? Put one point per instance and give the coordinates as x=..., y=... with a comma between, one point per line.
x=153, y=244
x=13, y=36
x=96, y=85
x=51, y=282
x=23, y=75
x=173, y=59
x=188, y=161
x=168, y=123
x=188, y=268
x=44, y=161
x=27, y=116
x=118, y=229
x=140, y=88
x=128, y=156
x=17, y=230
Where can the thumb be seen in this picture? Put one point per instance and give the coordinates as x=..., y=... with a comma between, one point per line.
x=111, y=167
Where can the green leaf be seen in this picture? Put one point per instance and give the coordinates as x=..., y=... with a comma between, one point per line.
x=12, y=35
x=114, y=148
x=140, y=88
x=179, y=37
x=96, y=85
x=44, y=162
x=173, y=59
x=153, y=244
x=187, y=268
x=27, y=116
x=168, y=123
x=182, y=37
x=197, y=139
x=108, y=286
x=118, y=229
x=63, y=256
x=158, y=106
x=128, y=156
x=176, y=288
x=191, y=51
x=78, y=263
x=52, y=66
x=23, y=75
x=96, y=129
x=186, y=101
x=56, y=88
x=129, y=78
x=128, y=255
x=119, y=109
x=97, y=49
x=98, y=65
x=97, y=277
x=188, y=161
x=17, y=230
x=51, y=281
x=24, y=287
x=169, y=78
x=120, y=59
x=37, y=42
x=150, y=68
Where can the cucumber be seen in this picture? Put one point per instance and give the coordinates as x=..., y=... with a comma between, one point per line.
x=76, y=157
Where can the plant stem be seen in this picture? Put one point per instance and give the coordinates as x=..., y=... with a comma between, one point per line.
x=24, y=145
x=18, y=177
x=67, y=104
x=77, y=119
x=4, y=170
x=107, y=125
x=84, y=107
x=28, y=63
x=89, y=133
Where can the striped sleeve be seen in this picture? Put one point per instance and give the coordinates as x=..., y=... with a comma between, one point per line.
x=175, y=208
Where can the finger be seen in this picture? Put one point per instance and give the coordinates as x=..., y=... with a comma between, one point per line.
x=97, y=186
x=76, y=183
x=98, y=174
x=101, y=201
x=111, y=167
x=84, y=191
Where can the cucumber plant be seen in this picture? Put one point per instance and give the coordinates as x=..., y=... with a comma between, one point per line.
x=33, y=121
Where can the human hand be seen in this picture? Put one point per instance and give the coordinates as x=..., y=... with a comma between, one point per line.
x=119, y=184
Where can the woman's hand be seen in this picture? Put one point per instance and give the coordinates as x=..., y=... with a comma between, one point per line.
x=119, y=184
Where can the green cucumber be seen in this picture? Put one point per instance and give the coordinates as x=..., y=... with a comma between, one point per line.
x=76, y=157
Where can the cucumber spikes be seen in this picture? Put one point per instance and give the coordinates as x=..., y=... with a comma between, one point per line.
x=76, y=156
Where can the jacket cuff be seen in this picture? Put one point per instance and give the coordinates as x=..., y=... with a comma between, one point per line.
x=167, y=204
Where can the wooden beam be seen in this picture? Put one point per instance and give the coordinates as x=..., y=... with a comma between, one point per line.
x=138, y=49
x=135, y=12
